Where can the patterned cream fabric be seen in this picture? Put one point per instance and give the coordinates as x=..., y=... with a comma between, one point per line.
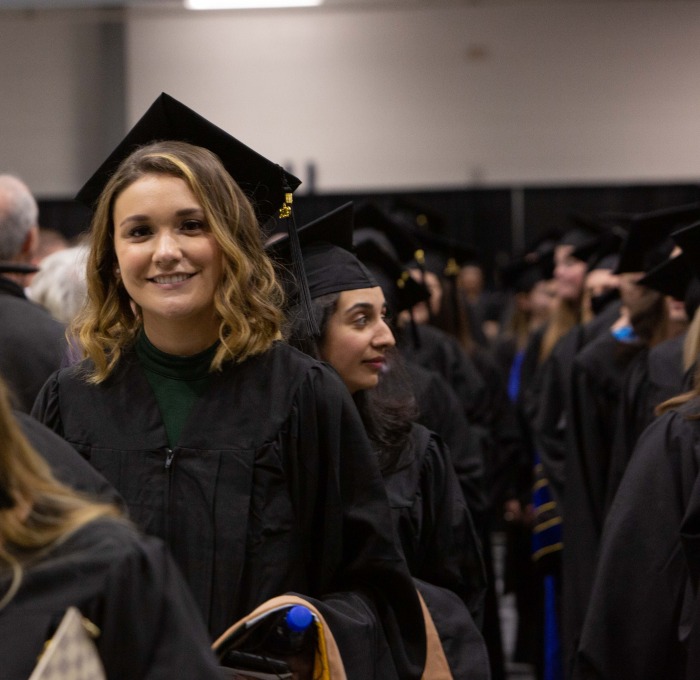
x=70, y=654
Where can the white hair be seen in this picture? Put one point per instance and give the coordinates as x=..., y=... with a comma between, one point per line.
x=60, y=284
x=19, y=213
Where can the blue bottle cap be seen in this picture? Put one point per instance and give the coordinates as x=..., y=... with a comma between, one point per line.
x=299, y=618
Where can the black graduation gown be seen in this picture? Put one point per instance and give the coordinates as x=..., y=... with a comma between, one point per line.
x=272, y=488
x=642, y=600
x=555, y=419
x=441, y=412
x=67, y=466
x=129, y=587
x=599, y=371
x=442, y=549
x=654, y=376
x=32, y=344
x=554, y=422
x=441, y=352
x=507, y=440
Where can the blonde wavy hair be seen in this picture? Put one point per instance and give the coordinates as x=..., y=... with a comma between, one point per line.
x=249, y=299
x=45, y=512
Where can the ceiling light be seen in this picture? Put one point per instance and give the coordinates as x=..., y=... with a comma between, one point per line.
x=248, y=4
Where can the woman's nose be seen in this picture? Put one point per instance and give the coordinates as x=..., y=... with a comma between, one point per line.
x=167, y=248
x=384, y=336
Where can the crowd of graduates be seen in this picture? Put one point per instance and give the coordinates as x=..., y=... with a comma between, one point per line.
x=217, y=413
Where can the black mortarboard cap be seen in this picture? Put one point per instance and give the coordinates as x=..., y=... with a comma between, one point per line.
x=544, y=243
x=401, y=290
x=265, y=183
x=688, y=239
x=406, y=247
x=329, y=263
x=444, y=256
x=648, y=242
x=520, y=276
x=416, y=215
x=671, y=277
x=582, y=231
x=601, y=248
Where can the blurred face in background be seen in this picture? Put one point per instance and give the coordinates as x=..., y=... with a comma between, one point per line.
x=471, y=280
x=423, y=310
x=569, y=273
x=676, y=310
x=541, y=299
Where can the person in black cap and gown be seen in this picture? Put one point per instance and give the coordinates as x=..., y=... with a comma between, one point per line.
x=439, y=408
x=555, y=425
x=642, y=619
x=247, y=457
x=430, y=515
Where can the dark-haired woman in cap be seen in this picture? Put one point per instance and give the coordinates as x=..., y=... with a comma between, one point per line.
x=430, y=514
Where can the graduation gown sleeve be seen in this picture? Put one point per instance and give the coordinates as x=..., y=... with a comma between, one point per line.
x=128, y=586
x=66, y=464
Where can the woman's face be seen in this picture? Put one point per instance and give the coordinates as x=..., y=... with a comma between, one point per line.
x=542, y=298
x=357, y=338
x=569, y=273
x=168, y=259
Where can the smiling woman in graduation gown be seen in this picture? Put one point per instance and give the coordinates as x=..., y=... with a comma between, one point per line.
x=247, y=457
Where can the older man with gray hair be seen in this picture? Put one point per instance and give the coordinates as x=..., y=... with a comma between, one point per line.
x=32, y=343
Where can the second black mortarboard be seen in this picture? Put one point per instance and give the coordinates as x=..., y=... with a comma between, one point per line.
x=401, y=290
x=671, y=277
x=265, y=183
x=329, y=263
x=406, y=247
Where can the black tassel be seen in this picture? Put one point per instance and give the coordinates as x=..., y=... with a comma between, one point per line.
x=287, y=213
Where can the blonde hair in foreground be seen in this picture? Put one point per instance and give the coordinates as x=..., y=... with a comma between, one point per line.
x=46, y=512
x=249, y=299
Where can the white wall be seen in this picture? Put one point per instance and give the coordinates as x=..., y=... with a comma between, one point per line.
x=386, y=98
x=61, y=94
x=389, y=98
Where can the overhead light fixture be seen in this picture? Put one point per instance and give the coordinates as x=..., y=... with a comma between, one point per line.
x=249, y=4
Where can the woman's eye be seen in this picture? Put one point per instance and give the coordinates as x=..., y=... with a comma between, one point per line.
x=139, y=231
x=360, y=320
x=192, y=225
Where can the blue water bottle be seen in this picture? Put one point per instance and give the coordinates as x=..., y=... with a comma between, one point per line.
x=293, y=631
